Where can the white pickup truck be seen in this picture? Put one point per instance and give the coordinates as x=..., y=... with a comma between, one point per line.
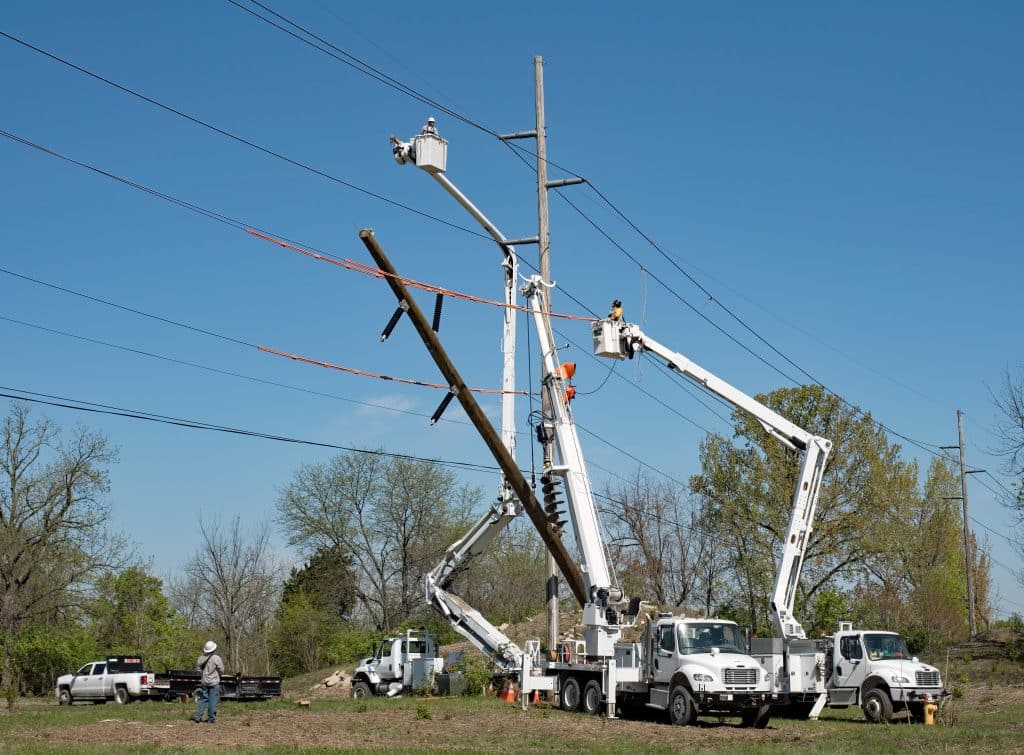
x=118, y=678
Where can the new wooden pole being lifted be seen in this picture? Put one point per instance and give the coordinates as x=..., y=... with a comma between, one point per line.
x=569, y=569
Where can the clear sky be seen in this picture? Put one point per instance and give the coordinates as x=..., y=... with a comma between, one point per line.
x=845, y=177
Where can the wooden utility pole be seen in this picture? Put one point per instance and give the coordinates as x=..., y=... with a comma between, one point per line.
x=544, y=247
x=968, y=551
x=476, y=415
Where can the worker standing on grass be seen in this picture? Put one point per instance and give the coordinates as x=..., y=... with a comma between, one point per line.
x=210, y=668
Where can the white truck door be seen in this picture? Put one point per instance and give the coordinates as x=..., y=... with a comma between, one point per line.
x=80, y=681
x=665, y=663
x=98, y=680
x=851, y=668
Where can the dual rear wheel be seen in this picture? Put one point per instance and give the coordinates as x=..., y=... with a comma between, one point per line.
x=574, y=698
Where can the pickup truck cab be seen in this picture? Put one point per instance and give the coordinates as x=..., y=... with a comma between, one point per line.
x=118, y=678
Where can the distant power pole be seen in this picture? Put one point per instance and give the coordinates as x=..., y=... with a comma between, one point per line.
x=972, y=626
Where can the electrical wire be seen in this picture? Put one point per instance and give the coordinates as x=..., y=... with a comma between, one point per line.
x=242, y=140
x=226, y=373
x=21, y=394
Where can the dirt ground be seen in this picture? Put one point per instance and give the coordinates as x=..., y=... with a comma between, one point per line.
x=485, y=725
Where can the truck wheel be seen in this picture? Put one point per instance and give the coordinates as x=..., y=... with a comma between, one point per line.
x=361, y=689
x=569, y=697
x=757, y=718
x=877, y=707
x=682, y=711
x=591, y=700
x=64, y=698
x=121, y=696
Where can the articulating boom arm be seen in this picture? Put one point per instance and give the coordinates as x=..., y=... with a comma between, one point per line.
x=616, y=339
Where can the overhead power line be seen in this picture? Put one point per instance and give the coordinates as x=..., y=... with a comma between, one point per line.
x=268, y=151
x=242, y=140
x=21, y=394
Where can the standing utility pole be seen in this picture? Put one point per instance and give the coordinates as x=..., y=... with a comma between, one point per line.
x=544, y=248
x=968, y=551
x=972, y=625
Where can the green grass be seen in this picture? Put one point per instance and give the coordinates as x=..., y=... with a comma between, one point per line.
x=991, y=723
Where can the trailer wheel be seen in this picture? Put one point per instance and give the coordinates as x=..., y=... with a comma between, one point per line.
x=121, y=696
x=591, y=700
x=64, y=697
x=757, y=718
x=197, y=695
x=569, y=696
x=877, y=706
x=682, y=711
x=361, y=689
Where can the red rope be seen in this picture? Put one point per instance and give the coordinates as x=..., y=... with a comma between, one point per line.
x=363, y=373
x=374, y=272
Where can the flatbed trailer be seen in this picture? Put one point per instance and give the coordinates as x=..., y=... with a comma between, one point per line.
x=174, y=684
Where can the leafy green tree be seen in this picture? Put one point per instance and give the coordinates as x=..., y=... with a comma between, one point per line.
x=131, y=615
x=327, y=582
x=746, y=487
x=302, y=634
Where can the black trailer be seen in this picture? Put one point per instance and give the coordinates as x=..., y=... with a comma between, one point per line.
x=174, y=684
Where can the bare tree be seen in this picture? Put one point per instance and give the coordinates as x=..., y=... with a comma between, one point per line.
x=53, y=537
x=392, y=518
x=655, y=539
x=1009, y=429
x=230, y=586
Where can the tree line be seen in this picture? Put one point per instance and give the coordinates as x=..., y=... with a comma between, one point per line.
x=885, y=551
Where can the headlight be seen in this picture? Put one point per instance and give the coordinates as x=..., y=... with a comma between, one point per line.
x=901, y=680
x=703, y=678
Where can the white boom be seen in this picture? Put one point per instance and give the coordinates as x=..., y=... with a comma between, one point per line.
x=618, y=339
x=600, y=621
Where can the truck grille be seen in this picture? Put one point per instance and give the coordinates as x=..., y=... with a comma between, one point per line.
x=927, y=678
x=740, y=676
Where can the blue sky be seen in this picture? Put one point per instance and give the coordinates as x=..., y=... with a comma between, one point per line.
x=846, y=178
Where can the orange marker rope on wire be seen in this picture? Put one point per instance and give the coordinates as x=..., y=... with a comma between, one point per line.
x=374, y=272
x=364, y=373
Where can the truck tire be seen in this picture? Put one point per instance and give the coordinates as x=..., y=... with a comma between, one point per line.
x=591, y=700
x=361, y=689
x=877, y=706
x=682, y=711
x=64, y=697
x=121, y=696
x=757, y=718
x=569, y=695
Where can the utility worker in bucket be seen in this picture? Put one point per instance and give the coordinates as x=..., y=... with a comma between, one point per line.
x=616, y=313
x=210, y=668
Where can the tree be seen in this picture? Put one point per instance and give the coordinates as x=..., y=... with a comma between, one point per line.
x=230, y=587
x=53, y=517
x=327, y=581
x=746, y=488
x=131, y=615
x=302, y=634
x=656, y=540
x=1009, y=431
x=393, y=519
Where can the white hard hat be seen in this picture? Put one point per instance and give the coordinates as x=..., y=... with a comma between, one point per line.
x=210, y=646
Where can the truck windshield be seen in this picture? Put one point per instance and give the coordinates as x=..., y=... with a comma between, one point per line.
x=885, y=646
x=701, y=637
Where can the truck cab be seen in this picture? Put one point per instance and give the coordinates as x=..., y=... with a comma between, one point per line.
x=875, y=670
x=399, y=664
x=701, y=666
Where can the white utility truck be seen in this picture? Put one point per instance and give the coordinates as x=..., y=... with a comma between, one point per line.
x=119, y=678
x=854, y=667
x=683, y=666
x=400, y=665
